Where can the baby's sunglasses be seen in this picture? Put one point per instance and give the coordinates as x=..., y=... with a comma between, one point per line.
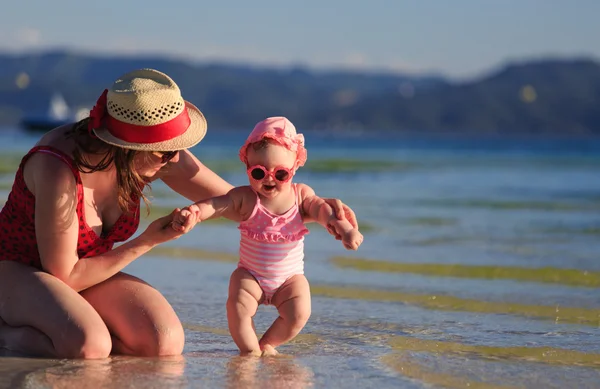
x=280, y=173
x=165, y=156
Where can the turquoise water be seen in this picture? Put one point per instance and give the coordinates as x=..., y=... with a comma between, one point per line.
x=479, y=269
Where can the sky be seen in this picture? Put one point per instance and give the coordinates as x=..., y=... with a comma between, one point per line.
x=455, y=38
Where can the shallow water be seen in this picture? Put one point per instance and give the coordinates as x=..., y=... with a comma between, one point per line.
x=479, y=269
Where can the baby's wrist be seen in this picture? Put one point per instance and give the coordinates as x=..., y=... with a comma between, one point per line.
x=341, y=225
x=332, y=222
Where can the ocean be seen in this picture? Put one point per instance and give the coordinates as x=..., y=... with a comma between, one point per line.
x=480, y=268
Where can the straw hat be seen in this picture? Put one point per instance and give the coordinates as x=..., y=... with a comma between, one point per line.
x=144, y=110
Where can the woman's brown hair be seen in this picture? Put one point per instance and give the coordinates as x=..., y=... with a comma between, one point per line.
x=130, y=185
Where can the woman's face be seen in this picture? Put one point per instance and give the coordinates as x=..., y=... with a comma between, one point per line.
x=148, y=163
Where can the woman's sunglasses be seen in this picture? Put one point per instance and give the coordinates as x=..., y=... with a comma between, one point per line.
x=165, y=156
x=280, y=173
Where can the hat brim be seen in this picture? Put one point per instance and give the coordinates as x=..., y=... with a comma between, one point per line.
x=191, y=137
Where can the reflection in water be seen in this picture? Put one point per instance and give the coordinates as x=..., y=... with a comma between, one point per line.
x=15, y=369
x=275, y=372
x=242, y=372
x=116, y=372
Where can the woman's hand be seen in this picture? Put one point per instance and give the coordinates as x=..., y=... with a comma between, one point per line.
x=184, y=215
x=342, y=212
x=170, y=227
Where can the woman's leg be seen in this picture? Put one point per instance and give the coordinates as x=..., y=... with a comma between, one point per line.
x=44, y=317
x=138, y=316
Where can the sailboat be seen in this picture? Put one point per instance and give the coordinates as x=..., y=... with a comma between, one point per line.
x=58, y=114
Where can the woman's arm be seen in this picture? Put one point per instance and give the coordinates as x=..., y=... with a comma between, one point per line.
x=191, y=179
x=57, y=229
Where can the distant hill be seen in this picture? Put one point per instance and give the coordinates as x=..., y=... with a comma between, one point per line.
x=544, y=96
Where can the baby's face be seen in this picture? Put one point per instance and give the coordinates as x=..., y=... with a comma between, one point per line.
x=275, y=159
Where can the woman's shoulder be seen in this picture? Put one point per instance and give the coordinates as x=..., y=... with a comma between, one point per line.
x=58, y=139
x=50, y=162
x=44, y=171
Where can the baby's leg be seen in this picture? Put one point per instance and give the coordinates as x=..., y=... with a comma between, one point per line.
x=244, y=295
x=293, y=304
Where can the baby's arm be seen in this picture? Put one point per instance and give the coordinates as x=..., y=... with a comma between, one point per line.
x=233, y=206
x=317, y=209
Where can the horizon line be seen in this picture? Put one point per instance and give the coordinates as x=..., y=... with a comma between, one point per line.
x=293, y=65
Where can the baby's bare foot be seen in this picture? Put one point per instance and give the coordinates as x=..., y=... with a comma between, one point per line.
x=251, y=353
x=269, y=351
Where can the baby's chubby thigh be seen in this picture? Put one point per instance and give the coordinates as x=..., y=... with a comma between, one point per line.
x=293, y=302
x=244, y=292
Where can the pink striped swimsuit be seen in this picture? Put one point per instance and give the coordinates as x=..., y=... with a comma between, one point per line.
x=272, y=246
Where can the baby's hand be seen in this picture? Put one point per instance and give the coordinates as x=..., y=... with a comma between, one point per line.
x=180, y=218
x=352, y=239
x=195, y=210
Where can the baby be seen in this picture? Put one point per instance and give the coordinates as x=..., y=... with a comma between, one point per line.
x=271, y=212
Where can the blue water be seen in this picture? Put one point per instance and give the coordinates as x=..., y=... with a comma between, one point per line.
x=521, y=202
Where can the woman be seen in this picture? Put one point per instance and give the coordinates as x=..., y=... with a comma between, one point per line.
x=76, y=193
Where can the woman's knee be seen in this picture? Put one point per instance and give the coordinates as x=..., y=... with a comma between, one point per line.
x=171, y=341
x=141, y=319
x=84, y=343
x=162, y=341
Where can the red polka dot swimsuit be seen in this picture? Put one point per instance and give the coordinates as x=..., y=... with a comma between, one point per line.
x=17, y=220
